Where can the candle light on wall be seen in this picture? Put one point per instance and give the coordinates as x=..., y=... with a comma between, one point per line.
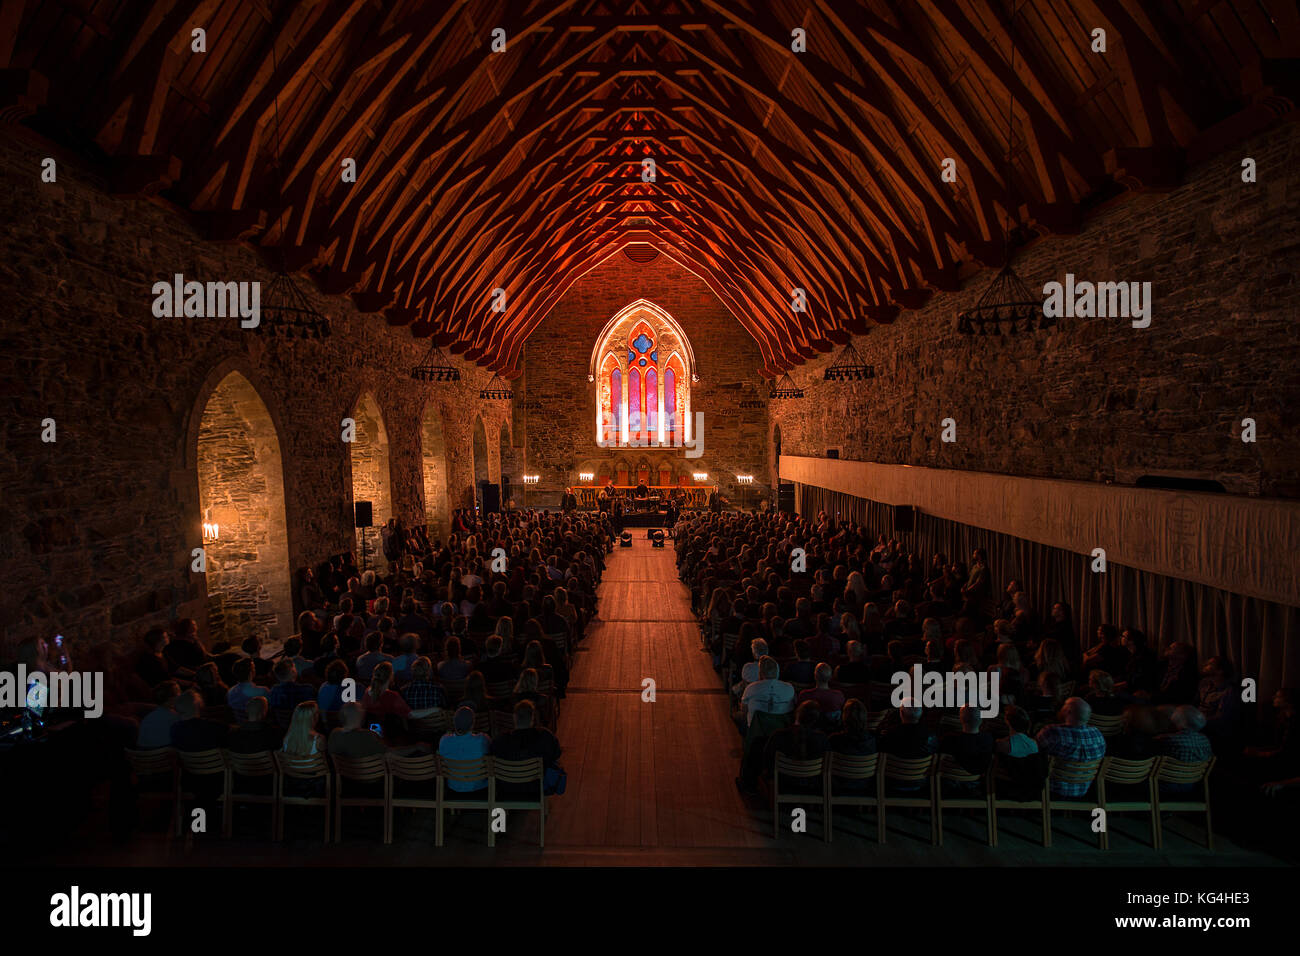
x=586, y=476
x=745, y=479
x=532, y=479
x=701, y=476
x=210, y=529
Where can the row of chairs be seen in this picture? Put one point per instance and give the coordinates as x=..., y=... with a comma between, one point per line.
x=880, y=779
x=425, y=776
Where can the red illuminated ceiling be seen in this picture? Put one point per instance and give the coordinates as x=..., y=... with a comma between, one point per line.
x=520, y=170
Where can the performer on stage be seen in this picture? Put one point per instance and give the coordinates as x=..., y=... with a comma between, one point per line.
x=569, y=503
x=715, y=501
x=641, y=490
x=606, y=497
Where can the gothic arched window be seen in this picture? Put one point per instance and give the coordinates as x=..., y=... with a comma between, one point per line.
x=643, y=366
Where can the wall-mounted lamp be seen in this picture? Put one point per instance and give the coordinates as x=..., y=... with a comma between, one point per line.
x=532, y=479
x=745, y=479
x=586, y=476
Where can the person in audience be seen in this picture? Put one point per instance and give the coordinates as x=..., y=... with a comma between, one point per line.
x=1188, y=742
x=493, y=667
x=422, y=695
x=856, y=738
x=1018, y=743
x=1142, y=671
x=535, y=658
x=329, y=696
x=1177, y=678
x=380, y=700
x=412, y=623
x=150, y=661
x=802, y=740
x=329, y=653
x=293, y=652
x=1137, y=737
x=463, y=744
x=1060, y=628
x=244, y=688
x=476, y=696
x=1101, y=694
x=156, y=726
x=1108, y=653
x=288, y=692
x=373, y=657
x=210, y=687
x=192, y=733
x=406, y=647
x=255, y=735
x=829, y=702
x=855, y=670
x=972, y=748
x=453, y=666
x=749, y=672
x=1050, y=659
x=352, y=737
x=528, y=740
x=184, y=653
x=1219, y=699
x=769, y=694
x=801, y=670
x=1072, y=739
x=908, y=738
x=302, y=738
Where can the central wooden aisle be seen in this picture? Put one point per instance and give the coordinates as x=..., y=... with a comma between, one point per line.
x=649, y=775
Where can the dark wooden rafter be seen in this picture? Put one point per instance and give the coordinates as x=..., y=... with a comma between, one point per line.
x=776, y=170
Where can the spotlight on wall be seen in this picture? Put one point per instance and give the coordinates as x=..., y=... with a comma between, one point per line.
x=586, y=476
x=531, y=479
x=701, y=476
x=745, y=479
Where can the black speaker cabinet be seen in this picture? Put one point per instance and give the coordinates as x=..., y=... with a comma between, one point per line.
x=785, y=497
x=490, y=495
x=904, y=517
x=365, y=514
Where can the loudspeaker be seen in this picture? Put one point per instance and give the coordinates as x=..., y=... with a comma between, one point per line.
x=785, y=497
x=505, y=491
x=490, y=495
x=832, y=453
x=365, y=515
x=903, y=517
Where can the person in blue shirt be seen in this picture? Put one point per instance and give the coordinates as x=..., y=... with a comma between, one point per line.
x=463, y=744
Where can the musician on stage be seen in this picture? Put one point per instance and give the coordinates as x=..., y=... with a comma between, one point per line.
x=607, y=495
x=569, y=503
x=641, y=490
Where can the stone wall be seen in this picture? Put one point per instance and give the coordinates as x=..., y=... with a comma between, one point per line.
x=96, y=528
x=560, y=435
x=1096, y=399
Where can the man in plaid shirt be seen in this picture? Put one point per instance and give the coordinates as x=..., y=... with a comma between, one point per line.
x=1072, y=739
x=1188, y=744
x=422, y=695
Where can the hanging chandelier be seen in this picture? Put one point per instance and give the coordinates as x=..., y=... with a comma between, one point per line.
x=785, y=387
x=849, y=367
x=287, y=313
x=435, y=367
x=496, y=389
x=1006, y=302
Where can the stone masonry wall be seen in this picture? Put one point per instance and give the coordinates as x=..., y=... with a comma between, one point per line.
x=96, y=528
x=1096, y=399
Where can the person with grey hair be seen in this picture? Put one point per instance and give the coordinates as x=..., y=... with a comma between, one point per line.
x=972, y=748
x=769, y=694
x=856, y=670
x=829, y=702
x=1188, y=742
x=1072, y=739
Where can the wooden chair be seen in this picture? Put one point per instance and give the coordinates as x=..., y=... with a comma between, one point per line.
x=904, y=770
x=947, y=769
x=201, y=763
x=250, y=767
x=1115, y=770
x=360, y=770
x=501, y=688
x=1070, y=772
x=421, y=771
x=1037, y=802
x=797, y=770
x=483, y=721
x=1176, y=771
x=515, y=773
x=842, y=767
x=561, y=640
x=466, y=771
x=158, y=766
x=1109, y=726
x=305, y=769
x=881, y=692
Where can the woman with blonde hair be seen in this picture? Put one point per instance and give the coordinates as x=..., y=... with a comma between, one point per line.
x=380, y=700
x=505, y=630
x=565, y=609
x=302, y=740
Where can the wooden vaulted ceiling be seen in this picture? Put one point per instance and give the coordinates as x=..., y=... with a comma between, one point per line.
x=521, y=170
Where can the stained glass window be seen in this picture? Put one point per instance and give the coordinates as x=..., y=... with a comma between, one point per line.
x=642, y=364
x=635, y=403
x=652, y=402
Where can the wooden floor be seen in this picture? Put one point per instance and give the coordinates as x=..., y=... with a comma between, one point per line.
x=653, y=783
x=648, y=774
